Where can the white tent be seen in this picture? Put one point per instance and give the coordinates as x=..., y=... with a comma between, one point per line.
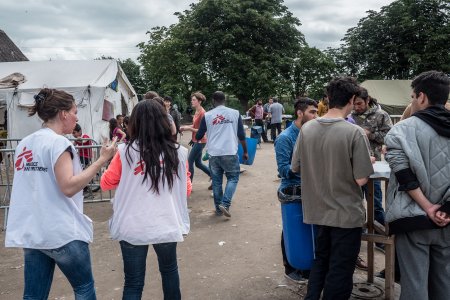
x=392, y=95
x=100, y=88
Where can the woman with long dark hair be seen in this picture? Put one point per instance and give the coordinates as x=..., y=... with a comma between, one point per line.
x=46, y=212
x=150, y=205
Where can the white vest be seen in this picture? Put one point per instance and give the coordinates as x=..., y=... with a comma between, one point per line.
x=142, y=217
x=40, y=215
x=222, y=124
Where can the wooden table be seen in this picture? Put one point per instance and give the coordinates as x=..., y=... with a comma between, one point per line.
x=377, y=233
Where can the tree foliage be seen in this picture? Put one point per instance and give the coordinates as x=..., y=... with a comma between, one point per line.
x=245, y=47
x=133, y=72
x=311, y=71
x=403, y=39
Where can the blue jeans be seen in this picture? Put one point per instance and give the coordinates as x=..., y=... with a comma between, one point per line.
x=228, y=164
x=73, y=259
x=134, y=262
x=377, y=200
x=195, y=156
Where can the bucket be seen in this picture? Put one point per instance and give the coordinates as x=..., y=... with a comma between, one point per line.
x=298, y=236
x=251, y=149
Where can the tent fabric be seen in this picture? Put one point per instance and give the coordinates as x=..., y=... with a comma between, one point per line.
x=11, y=80
x=87, y=81
x=62, y=74
x=392, y=95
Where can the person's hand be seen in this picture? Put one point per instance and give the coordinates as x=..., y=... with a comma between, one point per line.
x=245, y=156
x=107, y=151
x=183, y=128
x=372, y=159
x=440, y=218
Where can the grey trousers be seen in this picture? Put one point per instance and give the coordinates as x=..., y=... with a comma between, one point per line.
x=424, y=259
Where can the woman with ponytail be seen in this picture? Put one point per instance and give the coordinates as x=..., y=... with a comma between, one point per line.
x=46, y=210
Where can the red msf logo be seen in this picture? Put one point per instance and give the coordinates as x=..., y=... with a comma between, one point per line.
x=27, y=155
x=140, y=168
x=218, y=119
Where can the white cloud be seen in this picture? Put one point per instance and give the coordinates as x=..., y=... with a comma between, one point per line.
x=82, y=29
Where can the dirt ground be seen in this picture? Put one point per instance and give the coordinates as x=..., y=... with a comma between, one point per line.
x=236, y=258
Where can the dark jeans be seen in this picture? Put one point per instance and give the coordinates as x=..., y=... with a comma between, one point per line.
x=377, y=200
x=195, y=156
x=334, y=263
x=273, y=128
x=134, y=262
x=73, y=259
x=259, y=122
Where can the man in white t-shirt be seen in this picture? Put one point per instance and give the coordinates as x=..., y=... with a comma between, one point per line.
x=225, y=130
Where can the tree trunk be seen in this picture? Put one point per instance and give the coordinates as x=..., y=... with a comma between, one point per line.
x=243, y=100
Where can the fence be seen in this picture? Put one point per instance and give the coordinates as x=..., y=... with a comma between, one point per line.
x=92, y=192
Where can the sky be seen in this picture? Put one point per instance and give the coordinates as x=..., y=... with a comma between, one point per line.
x=88, y=29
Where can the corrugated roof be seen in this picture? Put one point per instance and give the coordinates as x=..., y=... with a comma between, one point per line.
x=8, y=50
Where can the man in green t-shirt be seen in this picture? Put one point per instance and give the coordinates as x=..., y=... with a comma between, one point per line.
x=331, y=190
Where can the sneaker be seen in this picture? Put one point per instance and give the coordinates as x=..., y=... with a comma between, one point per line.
x=218, y=213
x=295, y=277
x=361, y=264
x=380, y=247
x=225, y=211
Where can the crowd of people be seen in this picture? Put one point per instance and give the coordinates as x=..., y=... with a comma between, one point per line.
x=329, y=150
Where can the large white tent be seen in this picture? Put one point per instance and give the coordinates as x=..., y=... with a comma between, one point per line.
x=392, y=95
x=100, y=88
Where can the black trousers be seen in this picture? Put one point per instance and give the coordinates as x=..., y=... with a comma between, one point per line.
x=273, y=128
x=336, y=253
x=259, y=122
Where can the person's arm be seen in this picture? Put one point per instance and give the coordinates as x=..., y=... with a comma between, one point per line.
x=283, y=151
x=111, y=177
x=122, y=135
x=295, y=161
x=384, y=124
x=252, y=111
x=241, y=137
x=361, y=161
x=201, y=130
x=71, y=184
x=406, y=113
x=407, y=181
x=188, y=180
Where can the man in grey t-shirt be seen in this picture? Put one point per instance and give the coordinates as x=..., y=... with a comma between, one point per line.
x=276, y=111
x=335, y=163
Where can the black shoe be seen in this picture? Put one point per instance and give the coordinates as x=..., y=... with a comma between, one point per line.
x=382, y=275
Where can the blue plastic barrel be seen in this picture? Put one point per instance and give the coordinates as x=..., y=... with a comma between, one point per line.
x=298, y=236
x=251, y=149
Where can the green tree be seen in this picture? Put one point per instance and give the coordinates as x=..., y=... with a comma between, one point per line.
x=403, y=39
x=311, y=71
x=133, y=72
x=246, y=48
